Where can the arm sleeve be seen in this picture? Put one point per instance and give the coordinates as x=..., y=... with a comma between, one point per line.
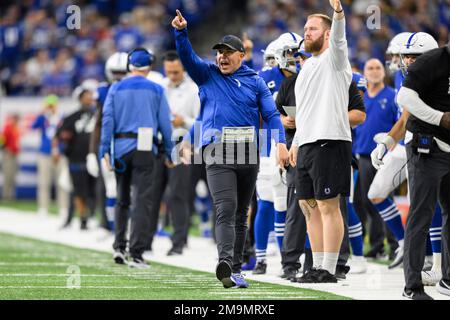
x=38, y=123
x=165, y=125
x=281, y=98
x=269, y=112
x=356, y=102
x=197, y=69
x=338, y=45
x=410, y=100
x=108, y=124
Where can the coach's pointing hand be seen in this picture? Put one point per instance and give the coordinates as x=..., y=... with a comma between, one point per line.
x=336, y=5
x=179, y=22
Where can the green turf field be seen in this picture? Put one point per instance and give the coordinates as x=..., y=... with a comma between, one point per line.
x=31, y=269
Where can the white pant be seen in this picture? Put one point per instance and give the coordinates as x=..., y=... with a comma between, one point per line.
x=270, y=185
x=391, y=174
x=49, y=173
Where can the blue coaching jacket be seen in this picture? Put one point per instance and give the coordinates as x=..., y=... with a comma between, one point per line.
x=234, y=100
x=132, y=103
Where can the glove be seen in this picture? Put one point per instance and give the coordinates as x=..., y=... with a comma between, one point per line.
x=377, y=155
x=92, y=165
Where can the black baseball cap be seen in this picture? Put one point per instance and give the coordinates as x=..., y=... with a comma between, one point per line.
x=230, y=42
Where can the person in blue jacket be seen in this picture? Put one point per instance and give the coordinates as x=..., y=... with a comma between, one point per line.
x=232, y=99
x=135, y=110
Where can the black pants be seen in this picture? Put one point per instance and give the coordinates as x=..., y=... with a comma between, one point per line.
x=178, y=204
x=160, y=177
x=249, y=247
x=295, y=228
x=198, y=172
x=137, y=177
x=429, y=181
x=367, y=211
x=231, y=187
x=101, y=200
x=344, y=252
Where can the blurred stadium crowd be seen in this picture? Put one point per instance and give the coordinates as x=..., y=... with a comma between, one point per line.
x=40, y=55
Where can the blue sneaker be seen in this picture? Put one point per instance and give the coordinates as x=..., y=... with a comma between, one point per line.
x=238, y=280
x=162, y=233
x=250, y=265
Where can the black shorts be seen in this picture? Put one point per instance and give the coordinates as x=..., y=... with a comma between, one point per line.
x=83, y=183
x=324, y=169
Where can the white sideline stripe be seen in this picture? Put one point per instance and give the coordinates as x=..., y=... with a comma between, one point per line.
x=201, y=255
x=62, y=275
x=83, y=287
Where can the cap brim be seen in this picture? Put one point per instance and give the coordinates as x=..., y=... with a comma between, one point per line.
x=224, y=45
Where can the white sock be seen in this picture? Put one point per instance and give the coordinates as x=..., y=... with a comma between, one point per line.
x=437, y=262
x=330, y=260
x=317, y=260
x=401, y=243
x=261, y=255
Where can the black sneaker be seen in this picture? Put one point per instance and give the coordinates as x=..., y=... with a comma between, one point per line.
x=443, y=287
x=308, y=277
x=260, y=268
x=324, y=276
x=341, y=272
x=416, y=294
x=119, y=257
x=138, y=263
x=289, y=274
x=376, y=254
x=174, y=252
x=223, y=273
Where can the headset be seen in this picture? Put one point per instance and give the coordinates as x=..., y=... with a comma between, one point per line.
x=149, y=52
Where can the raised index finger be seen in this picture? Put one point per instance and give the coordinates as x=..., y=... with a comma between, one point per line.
x=180, y=17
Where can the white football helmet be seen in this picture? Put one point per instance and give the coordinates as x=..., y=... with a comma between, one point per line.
x=393, y=51
x=418, y=43
x=269, y=54
x=116, y=66
x=287, y=46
